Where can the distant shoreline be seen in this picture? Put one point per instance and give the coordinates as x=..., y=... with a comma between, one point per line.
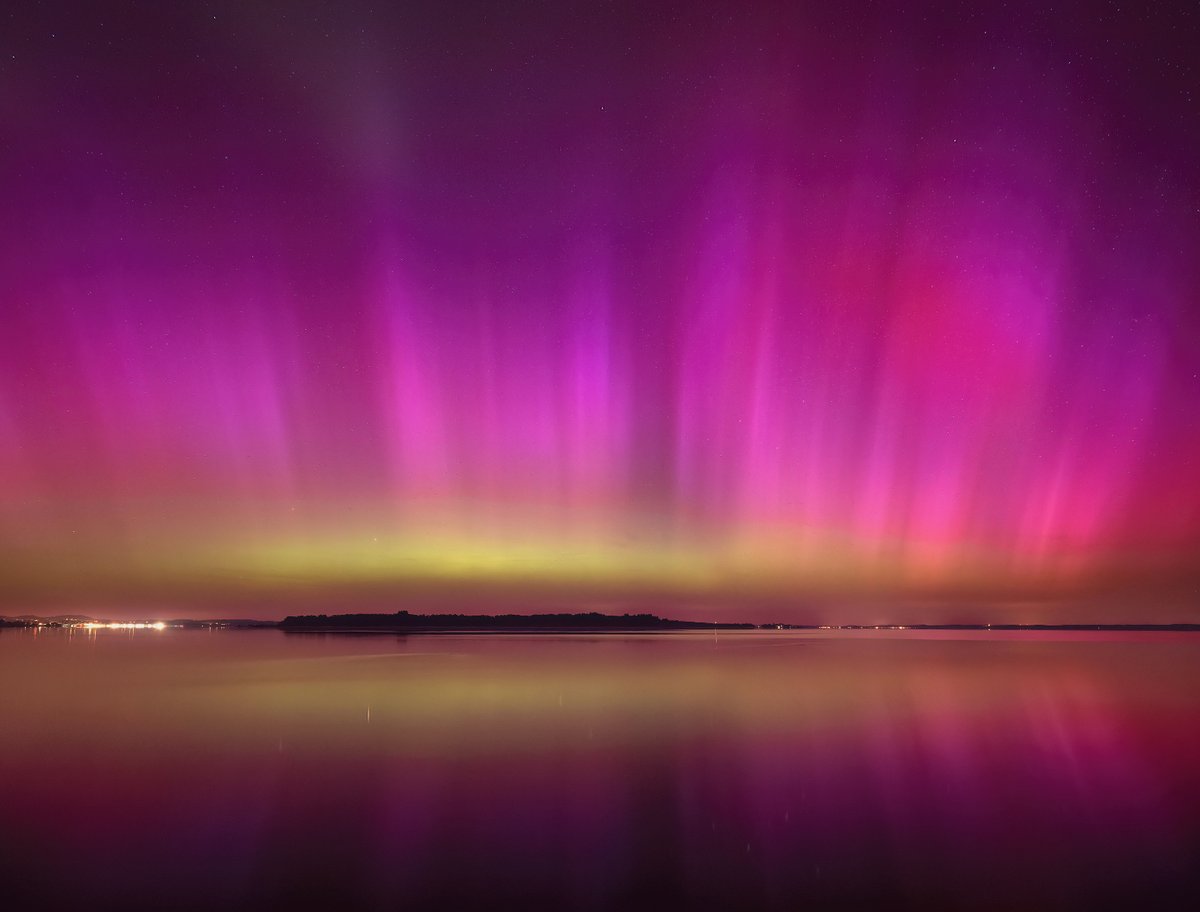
x=584, y=623
x=588, y=622
x=964, y=628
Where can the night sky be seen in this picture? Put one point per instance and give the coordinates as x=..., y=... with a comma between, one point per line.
x=847, y=312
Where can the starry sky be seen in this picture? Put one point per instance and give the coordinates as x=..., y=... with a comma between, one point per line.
x=816, y=311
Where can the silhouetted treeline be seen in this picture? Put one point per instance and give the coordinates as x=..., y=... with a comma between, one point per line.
x=403, y=620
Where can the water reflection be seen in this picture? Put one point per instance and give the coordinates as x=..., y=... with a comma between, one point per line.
x=780, y=770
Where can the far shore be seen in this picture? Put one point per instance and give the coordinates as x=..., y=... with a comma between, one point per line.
x=404, y=622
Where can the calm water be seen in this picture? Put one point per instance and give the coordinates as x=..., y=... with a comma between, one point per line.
x=257, y=769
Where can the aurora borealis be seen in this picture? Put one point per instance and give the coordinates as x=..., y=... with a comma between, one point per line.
x=706, y=303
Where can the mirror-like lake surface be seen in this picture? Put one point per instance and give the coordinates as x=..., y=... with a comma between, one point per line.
x=780, y=770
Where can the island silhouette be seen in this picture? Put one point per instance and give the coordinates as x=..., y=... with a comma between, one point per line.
x=591, y=621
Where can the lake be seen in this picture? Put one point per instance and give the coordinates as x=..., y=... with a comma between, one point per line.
x=184, y=769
